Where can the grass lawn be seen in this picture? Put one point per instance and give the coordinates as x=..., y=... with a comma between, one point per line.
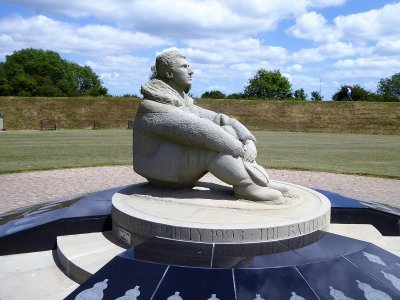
x=376, y=155
x=42, y=150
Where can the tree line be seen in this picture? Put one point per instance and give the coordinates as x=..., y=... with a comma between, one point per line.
x=35, y=72
x=272, y=85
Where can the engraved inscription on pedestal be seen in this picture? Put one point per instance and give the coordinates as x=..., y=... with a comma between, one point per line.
x=190, y=216
x=148, y=229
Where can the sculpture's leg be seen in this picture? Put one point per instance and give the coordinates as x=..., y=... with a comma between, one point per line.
x=260, y=177
x=278, y=186
x=232, y=171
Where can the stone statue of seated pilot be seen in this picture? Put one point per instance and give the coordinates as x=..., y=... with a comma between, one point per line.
x=176, y=142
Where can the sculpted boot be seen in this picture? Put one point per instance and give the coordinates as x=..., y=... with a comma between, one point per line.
x=258, y=175
x=249, y=180
x=255, y=192
x=277, y=186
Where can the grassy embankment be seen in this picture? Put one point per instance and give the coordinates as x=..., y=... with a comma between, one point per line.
x=67, y=113
x=307, y=116
x=376, y=155
x=292, y=116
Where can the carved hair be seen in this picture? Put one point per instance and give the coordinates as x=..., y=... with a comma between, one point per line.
x=165, y=62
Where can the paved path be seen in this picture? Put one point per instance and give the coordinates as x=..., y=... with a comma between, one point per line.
x=21, y=189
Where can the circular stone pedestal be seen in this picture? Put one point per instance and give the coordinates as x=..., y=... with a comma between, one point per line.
x=210, y=213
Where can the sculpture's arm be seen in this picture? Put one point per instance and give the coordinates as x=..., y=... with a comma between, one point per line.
x=223, y=120
x=188, y=129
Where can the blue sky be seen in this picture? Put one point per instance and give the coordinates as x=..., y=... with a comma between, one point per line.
x=315, y=43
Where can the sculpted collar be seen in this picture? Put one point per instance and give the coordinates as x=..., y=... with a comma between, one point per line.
x=161, y=92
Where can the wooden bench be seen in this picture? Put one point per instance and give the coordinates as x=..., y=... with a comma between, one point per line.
x=47, y=126
x=130, y=124
x=96, y=125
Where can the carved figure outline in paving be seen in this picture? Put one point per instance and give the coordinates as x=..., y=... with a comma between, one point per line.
x=296, y=297
x=213, y=297
x=374, y=258
x=176, y=296
x=393, y=279
x=372, y=294
x=131, y=294
x=94, y=293
x=258, y=297
x=176, y=142
x=338, y=295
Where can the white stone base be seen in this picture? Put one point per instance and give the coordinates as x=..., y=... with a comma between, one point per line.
x=82, y=255
x=209, y=213
x=33, y=276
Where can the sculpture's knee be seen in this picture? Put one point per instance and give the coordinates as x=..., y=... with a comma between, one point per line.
x=228, y=169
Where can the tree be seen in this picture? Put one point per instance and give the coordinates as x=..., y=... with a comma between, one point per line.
x=235, y=96
x=358, y=93
x=35, y=72
x=153, y=72
x=389, y=88
x=300, y=94
x=214, y=95
x=5, y=89
x=316, y=96
x=268, y=85
x=127, y=95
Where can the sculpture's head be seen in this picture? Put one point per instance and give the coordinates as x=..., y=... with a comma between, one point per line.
x=173, y=68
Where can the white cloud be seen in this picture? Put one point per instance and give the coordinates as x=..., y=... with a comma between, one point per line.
x=364, y=70
x=373, y=25
x=125, y=72
x=313, y=26
x=110, y=76
x=321, y=53
x=194, y=18
x=72, y=8
x=368, y=63
x=185, y=18
x=325, y=3
x=43, y=32
x=301, y=81
x=388, y=47
x=233, y=51
x=243, y=67
x=217, y=45
x=357, y=76
x=294, y=68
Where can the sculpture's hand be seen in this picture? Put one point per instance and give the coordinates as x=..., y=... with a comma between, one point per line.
x=250, y=151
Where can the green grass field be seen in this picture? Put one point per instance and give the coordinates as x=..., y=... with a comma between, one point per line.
x=26, y=150
x=374, y=155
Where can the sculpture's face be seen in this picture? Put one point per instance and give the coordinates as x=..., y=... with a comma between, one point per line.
x=181, y=73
